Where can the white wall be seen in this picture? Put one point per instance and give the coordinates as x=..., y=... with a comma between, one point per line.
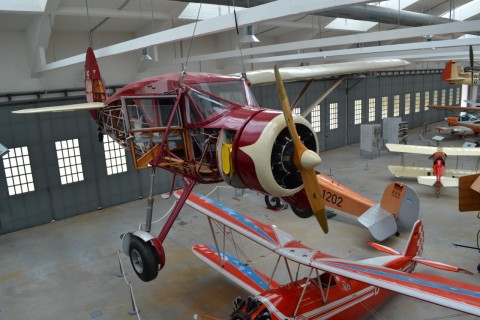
x=119, y=69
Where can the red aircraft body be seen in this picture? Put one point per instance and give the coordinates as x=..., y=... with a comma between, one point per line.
x=209, y=128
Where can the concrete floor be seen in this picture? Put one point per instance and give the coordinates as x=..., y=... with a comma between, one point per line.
x=67, y=269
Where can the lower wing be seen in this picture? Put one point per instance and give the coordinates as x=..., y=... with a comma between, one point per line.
x=240, y=273
x=431, y=180
x=408, y=171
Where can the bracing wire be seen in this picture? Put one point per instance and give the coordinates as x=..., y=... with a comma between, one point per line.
x=191, y=39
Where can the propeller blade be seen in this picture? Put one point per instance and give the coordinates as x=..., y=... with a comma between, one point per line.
x=304, y=159
x=471, y=62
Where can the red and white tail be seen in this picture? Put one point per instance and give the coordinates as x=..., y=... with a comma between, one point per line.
x=94, y=88
x=414, y=250
x=415, y=242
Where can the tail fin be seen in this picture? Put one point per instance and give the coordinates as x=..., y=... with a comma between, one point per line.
x=414, y=250
x=399, y=209
x=415, y=242
x=94, y=88
x=450, y=73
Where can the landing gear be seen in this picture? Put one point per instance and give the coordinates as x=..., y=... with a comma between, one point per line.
x=438, y=188
x=302, y=213
x=273, y=203
x=144, y=259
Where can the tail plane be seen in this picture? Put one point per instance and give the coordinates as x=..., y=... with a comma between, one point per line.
x=414, y=250
x=399, y=208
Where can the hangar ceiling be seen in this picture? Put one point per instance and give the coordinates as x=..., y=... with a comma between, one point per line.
x=302, y=30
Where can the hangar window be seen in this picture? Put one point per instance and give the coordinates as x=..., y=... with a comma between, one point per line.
x=407, y=103
x=457, y=101
x=69, y=161
x=371, y=109
x=384, y=107
x=417, y=102
x=444, y=93
x=450, y=96
x=315, y=119
x=18, y=171
x=396, y=105
x=115, y=159
x=296, y=111
x=333, y=115
x=435, y=97
x=427, y=100
x=358, y=112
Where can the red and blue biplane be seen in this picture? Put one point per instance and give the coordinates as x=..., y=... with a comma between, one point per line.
x=320, y=286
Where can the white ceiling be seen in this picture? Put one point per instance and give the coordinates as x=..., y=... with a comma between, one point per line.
x=144, y=17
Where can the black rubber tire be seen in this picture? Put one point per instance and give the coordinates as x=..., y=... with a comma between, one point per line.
x=302, y=213
x=144, y=259
x=273, y=203
x=239, y=315
x=478, y=268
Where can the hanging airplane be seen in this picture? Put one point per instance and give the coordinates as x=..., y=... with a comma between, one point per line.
x=320, y=286
x=455, y=74
x=467, y=123
x=438, y=175
x=209, y=128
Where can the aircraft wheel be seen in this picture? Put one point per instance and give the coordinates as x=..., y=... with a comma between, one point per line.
x=144, y=259
x=302, y=213
x=478, y=268
x=273, y=203
x=239, y=315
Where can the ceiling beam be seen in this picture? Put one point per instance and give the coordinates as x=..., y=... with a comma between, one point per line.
x=269, y=11
x=108, y=13
x=398, y=49
x=361, y=38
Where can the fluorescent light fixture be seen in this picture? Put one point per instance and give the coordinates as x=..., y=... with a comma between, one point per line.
x=207, y=11
x=249, y=35
x=3, y=150
x=145, y=55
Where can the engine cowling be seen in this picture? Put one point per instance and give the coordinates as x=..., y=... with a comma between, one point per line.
x=262, y=153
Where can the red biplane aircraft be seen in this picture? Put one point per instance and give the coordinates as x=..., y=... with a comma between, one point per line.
x=209, y=128
x=320, y=286
x=438, y=175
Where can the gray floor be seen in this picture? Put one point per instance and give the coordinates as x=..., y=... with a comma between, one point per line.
x=67, y=269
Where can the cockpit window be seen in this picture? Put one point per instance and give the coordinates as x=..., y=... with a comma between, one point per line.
x=235, y=90
x=208, y=105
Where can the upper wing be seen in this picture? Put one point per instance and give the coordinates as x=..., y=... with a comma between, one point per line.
x=326, y=70
x=267, y=236
x=72, y=107
x=411, y=149
x=455, y=108
x=450, y=293
x=442, y=291
x=450, y=151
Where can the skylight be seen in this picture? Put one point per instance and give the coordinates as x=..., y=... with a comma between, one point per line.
x=350, y=24
x=464, y=12
x=23, y=5
x=207, y=11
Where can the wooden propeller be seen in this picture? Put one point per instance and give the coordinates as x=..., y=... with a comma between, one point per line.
x=304, y=159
